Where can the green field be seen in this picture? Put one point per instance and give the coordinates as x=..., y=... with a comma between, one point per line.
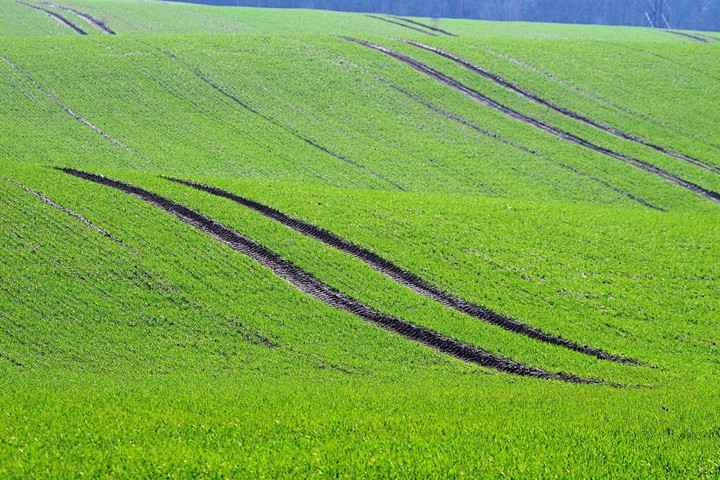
x=493, y=254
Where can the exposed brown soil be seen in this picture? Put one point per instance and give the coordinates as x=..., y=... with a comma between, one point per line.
x=403, y=277
x=70, y=112
x=307, y=283
x=402, y=25
x=557, y=132
x=99, y=24
x=294, y=133
x=57, y=17
x=74, y=215
x=429, y=27
x=568, y=113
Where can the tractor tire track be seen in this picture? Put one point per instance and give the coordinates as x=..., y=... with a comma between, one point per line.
x=592, y=97
x=11, y=360
x=499, y=138
x=710, y=37
x=568, y=113
x=77, y=117
x=294, y=133
x=308, y=284
x=74, y=215
x=420, y=24
x=557, y=132
x=404, y=277
x=402, y=25
x=688, y=35
x=99, y=24
x=57, y=17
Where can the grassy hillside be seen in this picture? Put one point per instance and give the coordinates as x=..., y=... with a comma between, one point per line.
x=484, y=255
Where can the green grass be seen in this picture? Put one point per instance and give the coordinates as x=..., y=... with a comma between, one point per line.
x=155, y=351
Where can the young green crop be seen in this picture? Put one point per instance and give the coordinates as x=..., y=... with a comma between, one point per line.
x=134, y=345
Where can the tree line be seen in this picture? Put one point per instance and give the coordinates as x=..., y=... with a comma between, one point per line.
x=682, y=14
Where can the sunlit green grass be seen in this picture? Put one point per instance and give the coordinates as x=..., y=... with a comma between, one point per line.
x=152, y=350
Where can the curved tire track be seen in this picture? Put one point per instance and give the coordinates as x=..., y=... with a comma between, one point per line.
x=497, y=137
x=376, y=17
x=57, y=17
x=77, y=117
x=592, y=97
x=557, y=132
x=568, y=113
x=99, y=24
x=429, y=27
x=11, y=360
x=308, y=284
x=403, y=277
x=688, y=35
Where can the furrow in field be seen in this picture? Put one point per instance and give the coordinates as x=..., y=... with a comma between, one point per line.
x=499, y=138
x=688, y=35
x=11, y=360
x=376, y=17
x=567, y=136
x=429, y=27
x=582, y=92
x=710, y=37
x=99, y=24
x=204, y=78
x=403, y=277
x=308, y=284
x=568, y=113
x=74, y=215
x=57, y=17
x=70, y=112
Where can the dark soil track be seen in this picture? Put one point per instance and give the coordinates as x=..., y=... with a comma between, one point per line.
x=497, y=137
x=688, y=35
x=403, y=277
x=11, y=360
x=297, y=135
x=567, y=136
x=57, y=17
x=67, y=110
x=310, y=285
x=402, y=25
x=568, y=113
x=99, y=24
x=429, y=27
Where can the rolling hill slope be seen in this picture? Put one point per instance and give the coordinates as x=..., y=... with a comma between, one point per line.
x=246, y=242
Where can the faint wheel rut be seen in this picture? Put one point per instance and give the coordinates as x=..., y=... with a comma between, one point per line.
x=11, y=360
x=584, y=93
x=688, y=35
x=67, y=110
x=559, y=133
x=497, y=137
x=294, y=133
x=74, y=215
x=376, y=17
x=568, y=113
x=57, y=17
x=99, y=24
x=308, y=284
x=429, y=27
x=403, y=277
